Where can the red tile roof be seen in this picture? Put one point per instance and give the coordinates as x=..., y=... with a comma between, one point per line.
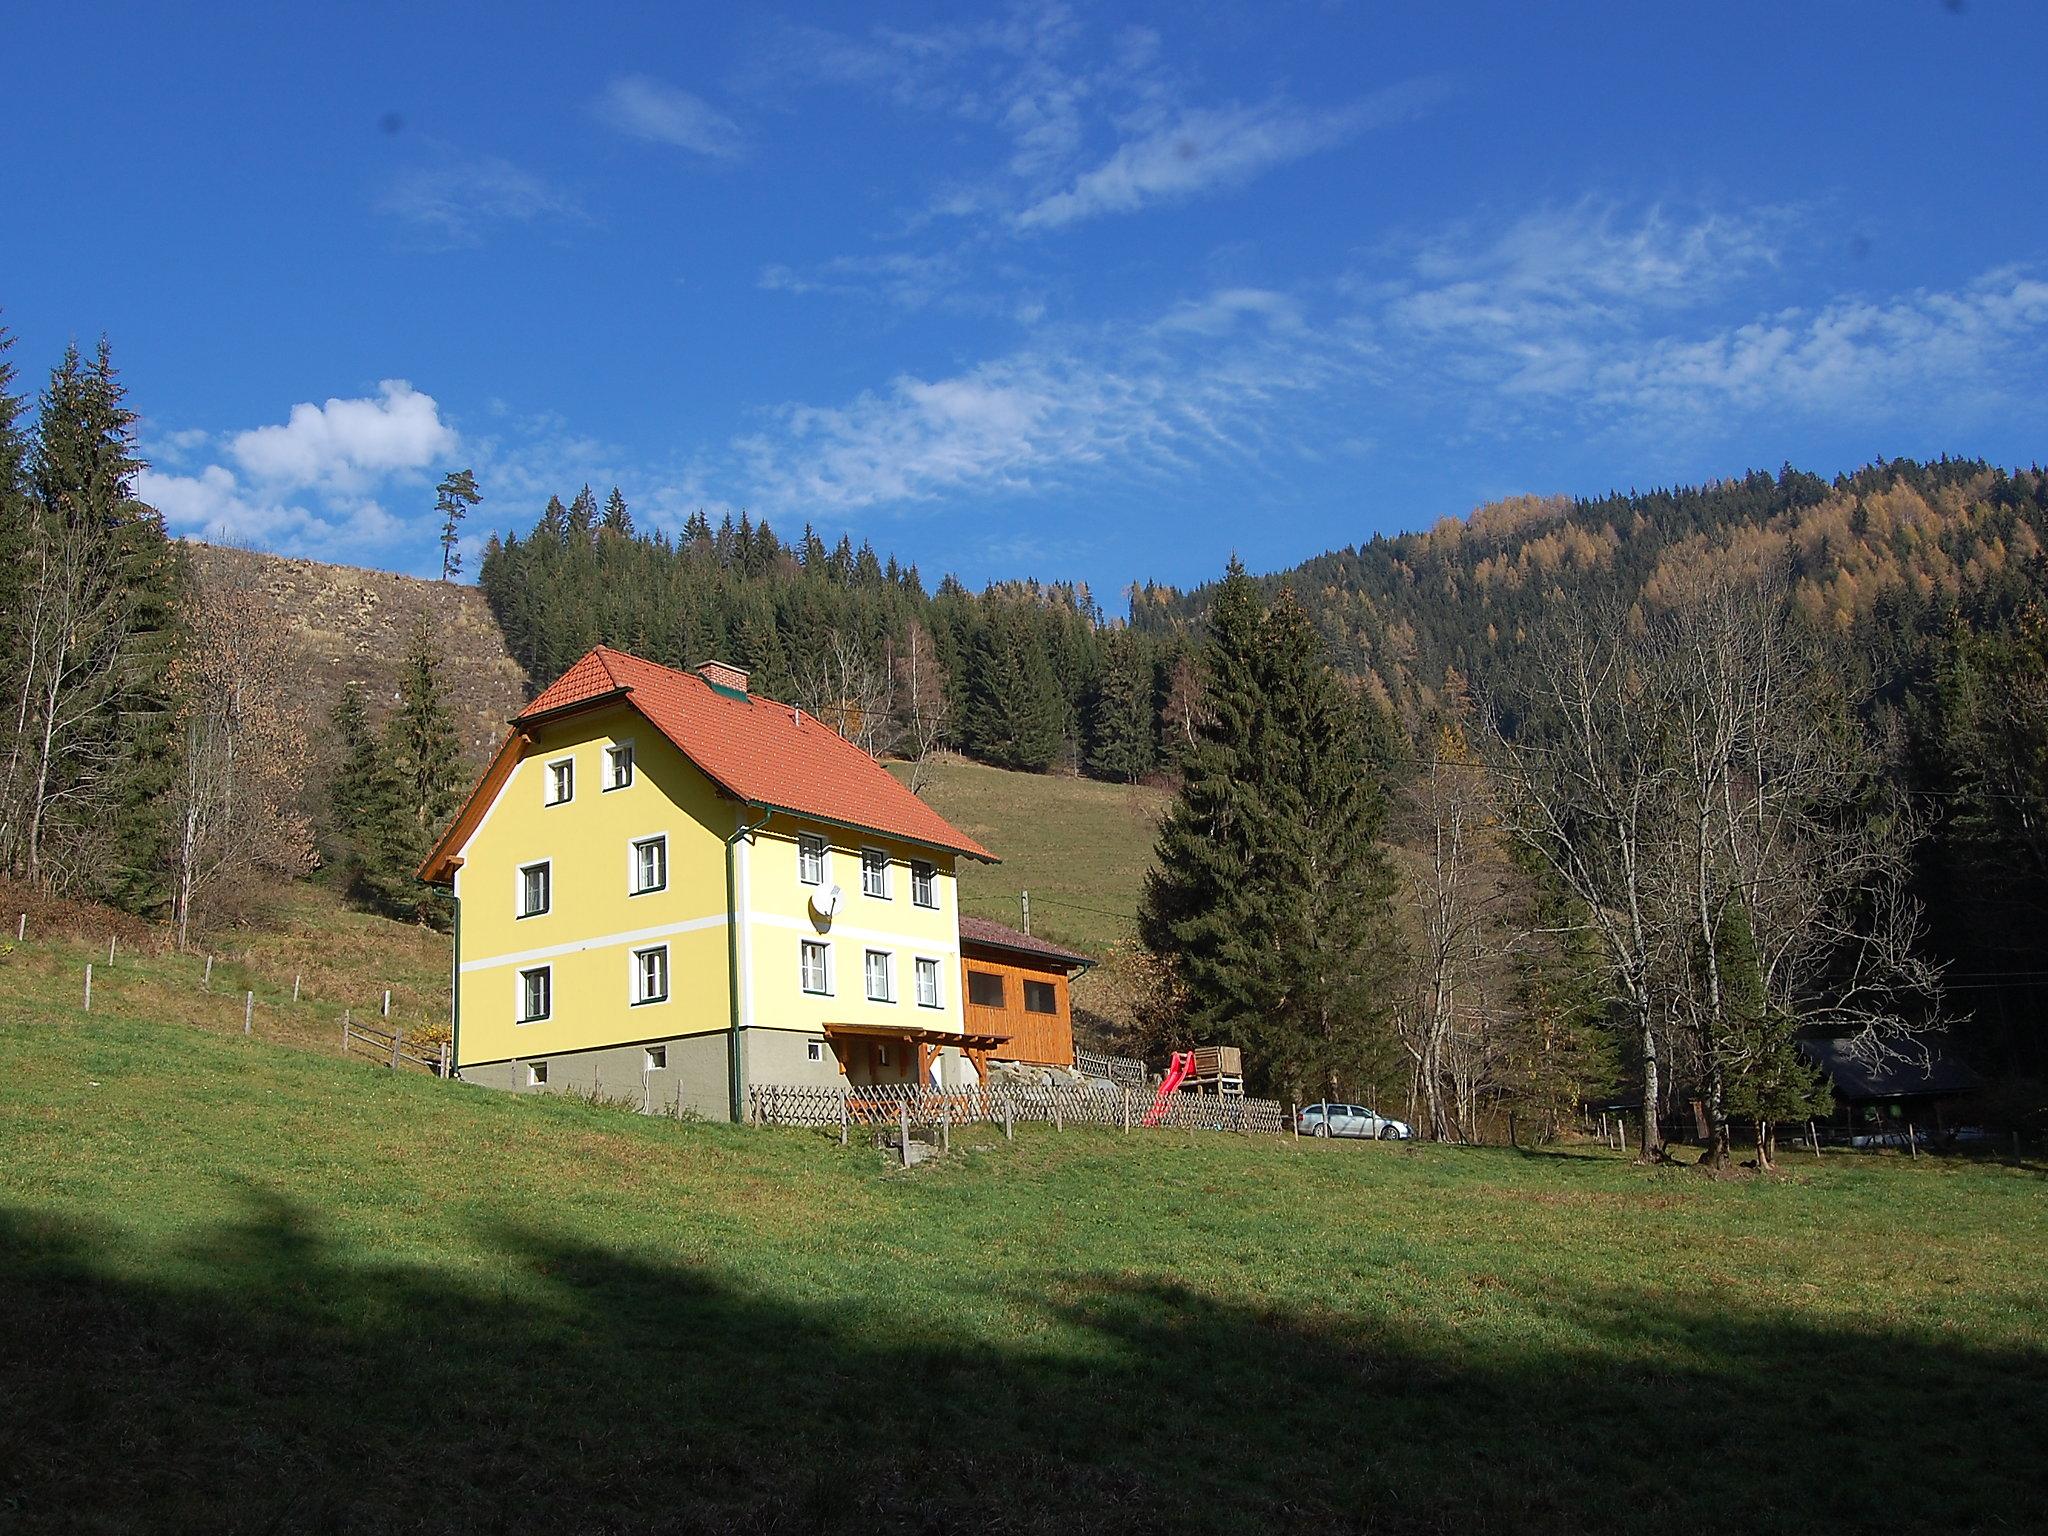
x=979, y=930
x=757, y=750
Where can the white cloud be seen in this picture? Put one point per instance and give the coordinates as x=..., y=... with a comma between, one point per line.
x=1138, y=401
x=1221, y=312
x=214, y=507
x=1204, y=149
x=346, y=440
x=645, y=108
x=456, y=200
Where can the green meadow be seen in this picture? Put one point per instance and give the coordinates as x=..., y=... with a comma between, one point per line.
x=252, y=1286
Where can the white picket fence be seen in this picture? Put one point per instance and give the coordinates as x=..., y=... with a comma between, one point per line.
x=1119, y=1108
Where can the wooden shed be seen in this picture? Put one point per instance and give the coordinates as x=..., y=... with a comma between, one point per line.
x=1016, y=985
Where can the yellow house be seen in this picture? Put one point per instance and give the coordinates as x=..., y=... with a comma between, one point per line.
x=668, y=888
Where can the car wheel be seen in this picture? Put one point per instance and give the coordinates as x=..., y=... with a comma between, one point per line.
x=1389, y=1133
x=1320, y=1130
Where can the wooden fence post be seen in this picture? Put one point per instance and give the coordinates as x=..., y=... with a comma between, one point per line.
x=946, y=1131
x=296, y=977
x=397, y=1039
x=248, y=1012
x=903, y=1128
x=344, y=1031
x=21, y=930
x=1294, y=1120
x=1009, y=1117
x=1814, y=1135
x=387, y=1002
x=110, y=951
x=444, y=1059
x=206, y=981
x=88, y=986
x=1059, y=1120
x=1912, y=1142
x=843, y=1118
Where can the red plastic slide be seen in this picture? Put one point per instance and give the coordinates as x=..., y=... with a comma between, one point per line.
x=1177, y=1071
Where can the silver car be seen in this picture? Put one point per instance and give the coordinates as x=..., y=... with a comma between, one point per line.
x=1349, y=1120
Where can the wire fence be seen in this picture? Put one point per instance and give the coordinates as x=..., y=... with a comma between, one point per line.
x=1124, y=1108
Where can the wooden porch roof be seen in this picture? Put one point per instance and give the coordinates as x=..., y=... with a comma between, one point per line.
x=920, y=1036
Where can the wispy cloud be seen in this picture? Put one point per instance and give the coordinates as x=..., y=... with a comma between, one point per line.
x=1208, y=149
x=645, y=108
x=457, y=200
x=1123, y=402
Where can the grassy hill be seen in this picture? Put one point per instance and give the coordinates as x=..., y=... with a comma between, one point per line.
x=1079, y=846
x=255, y=1288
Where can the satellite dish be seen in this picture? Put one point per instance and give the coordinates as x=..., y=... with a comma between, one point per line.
x=825, y=901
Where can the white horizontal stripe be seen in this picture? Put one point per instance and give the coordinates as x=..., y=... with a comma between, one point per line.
x=935, y=949
x=602, y=941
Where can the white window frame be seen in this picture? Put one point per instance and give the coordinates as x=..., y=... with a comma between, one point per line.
x=548, y=795
x=519, y=1013
x=640, y=996
x=923, y=966
x=867, y=854
x=927, y=875
x=649, y=1061
x=814, y=1050
x=803, y=952
x=888, y=959
x=633, y=847
x=519, y=907
x=615, y=753
x=536, y=1074
x=806, y=843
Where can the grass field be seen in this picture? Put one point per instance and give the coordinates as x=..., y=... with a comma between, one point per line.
x=1079, y=846
x=256, y=1288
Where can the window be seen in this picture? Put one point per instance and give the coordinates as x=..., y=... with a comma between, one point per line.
x=618, y=765
x=810, y=859
x=562, y=781
x=927, y=983
x=814, y=1050
x=650, y=975
x=985, y=989
x=924, y=885
x=650, y=865
x=657, y=1058
x=881, y=980
x=874, y=873
x=1041, y=997
x=536, y=1074
x=536, y=993
x=817, y=967
x=534, y=884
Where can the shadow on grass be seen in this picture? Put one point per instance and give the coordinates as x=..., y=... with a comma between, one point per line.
x=262, y=1380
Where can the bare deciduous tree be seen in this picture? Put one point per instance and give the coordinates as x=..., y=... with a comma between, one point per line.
x=848, y=687
x=921, y=703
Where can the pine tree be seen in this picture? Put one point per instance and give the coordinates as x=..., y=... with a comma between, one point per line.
x=372, y=842
x=1188, y=912
x=618, y=522
x=553, y=527
x=97, y=631
x=1270, y=905
x=583, y=517
x=1120, y=714
x=424, y=749
x=453, y=498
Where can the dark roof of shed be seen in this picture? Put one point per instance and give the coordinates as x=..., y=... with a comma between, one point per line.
x=979, y=930
x=1929, y=1070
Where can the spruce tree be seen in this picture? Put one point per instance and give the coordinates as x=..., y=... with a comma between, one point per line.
x=373, y=843
x=583, y=517
x=424, y=749
x=618, y=522
x=453, y=498
x=1120, y=714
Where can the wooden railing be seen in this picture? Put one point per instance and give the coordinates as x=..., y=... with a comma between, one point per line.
x=1124, y=1071
x=389, y=1047
x=1120, y=1108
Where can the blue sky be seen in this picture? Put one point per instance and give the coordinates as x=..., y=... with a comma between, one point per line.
x=1069, y=292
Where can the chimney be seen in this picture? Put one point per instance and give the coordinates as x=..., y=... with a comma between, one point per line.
x=723, y=675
